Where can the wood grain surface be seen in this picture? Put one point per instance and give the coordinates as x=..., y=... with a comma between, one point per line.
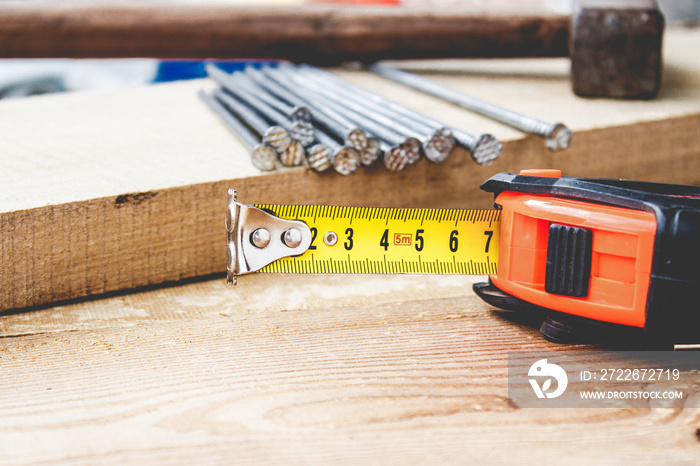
x=105, y=191
x=322, y=34
x=300, y=369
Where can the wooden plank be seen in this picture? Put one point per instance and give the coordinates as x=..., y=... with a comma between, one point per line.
x=326, y=34
x=315, y=369
x=113, y=190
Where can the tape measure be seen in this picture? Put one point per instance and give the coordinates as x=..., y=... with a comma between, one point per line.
x=616, y=252
x=392, y=240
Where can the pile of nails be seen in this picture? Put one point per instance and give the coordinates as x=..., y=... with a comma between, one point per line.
x=293, y=115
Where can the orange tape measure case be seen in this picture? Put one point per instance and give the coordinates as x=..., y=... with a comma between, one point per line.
x=617, y=252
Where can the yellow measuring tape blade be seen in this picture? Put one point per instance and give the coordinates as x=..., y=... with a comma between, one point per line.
x=392, y=240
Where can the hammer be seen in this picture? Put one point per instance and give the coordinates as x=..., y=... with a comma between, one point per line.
x=615, y=46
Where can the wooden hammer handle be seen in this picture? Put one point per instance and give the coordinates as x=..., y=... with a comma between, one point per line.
x=319, y=34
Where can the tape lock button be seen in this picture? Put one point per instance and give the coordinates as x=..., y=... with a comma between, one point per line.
x=569, y=251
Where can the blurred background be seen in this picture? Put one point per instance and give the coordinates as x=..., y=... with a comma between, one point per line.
x=27, y=77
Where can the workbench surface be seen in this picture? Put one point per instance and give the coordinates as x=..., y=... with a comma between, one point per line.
x=288, y=368
x=310, y=369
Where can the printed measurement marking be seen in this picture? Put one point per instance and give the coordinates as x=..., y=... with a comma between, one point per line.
x=392, y=240
x=402, y=239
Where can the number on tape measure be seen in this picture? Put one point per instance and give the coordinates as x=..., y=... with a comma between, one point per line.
x=392, y=240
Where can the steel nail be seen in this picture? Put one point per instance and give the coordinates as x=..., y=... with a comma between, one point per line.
x=437, y=146
x=345, y=160
x=299, y=130
x=366, y=98
x=557, y=135
x=287, y=102
x=438, y=140
x=263, y=156
x=329, y=96
x=484, y=148
x=250, y=78
x=290, y=151
x=334, y=122
x=319, y=156
x=275, y=135
x=399, y=150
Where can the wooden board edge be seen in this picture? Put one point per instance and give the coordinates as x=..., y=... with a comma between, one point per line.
x=90, y=247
